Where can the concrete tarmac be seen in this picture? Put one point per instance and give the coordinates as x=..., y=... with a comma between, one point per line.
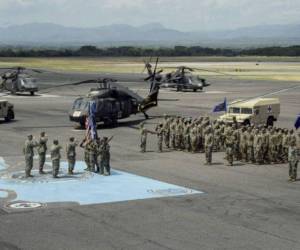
x=243, y=207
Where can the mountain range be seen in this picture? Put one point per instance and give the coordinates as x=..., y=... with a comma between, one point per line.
x=48, y=34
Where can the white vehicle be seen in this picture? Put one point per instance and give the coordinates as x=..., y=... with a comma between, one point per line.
x=6, y=110
x=255, y=111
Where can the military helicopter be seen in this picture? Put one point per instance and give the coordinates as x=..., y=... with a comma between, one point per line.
x=16, y=80
x=182, y=78
x=113, y=101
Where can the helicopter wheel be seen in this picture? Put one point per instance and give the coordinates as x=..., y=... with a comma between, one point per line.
x=195, y=90
x=32, y=93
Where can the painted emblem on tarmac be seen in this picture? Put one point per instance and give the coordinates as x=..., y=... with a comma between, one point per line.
x=83, y=187
x=25, y=205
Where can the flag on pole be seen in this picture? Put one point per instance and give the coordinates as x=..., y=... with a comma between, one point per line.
x=220, y=107
x=297, y=122
x=91, y=125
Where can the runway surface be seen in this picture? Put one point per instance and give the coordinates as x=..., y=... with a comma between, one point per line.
x=241, y=207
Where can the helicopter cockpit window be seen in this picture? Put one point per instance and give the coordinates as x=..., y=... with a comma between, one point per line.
x=29, y=81
x=77, y=104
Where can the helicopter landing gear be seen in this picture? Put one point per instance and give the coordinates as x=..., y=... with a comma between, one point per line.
x=146, y=116
x=110, y=122
x=32, y=93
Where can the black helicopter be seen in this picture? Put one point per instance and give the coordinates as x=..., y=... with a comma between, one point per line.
x=182, y=78
x=113, y=101
x=16, y=80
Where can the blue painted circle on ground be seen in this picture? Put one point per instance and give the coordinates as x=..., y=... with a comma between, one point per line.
x=3, y=194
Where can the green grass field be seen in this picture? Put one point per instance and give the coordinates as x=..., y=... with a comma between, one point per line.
x=252, y=68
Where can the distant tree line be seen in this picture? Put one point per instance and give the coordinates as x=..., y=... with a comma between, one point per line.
x=93, y=51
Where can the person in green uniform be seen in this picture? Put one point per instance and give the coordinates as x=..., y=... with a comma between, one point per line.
x=55, y=157
x=293, y=161
x=42, y=150
x=28, y=151
x=71, y=154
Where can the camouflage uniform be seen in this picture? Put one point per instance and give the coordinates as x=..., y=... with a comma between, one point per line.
x=178, y=135
x=86, y=154
x=217, y=138
x=172, y=134
x=28, y=151
x=236, y=144
x=273, y=147
x=55, y=157
x=105, y=157
x=186, y=136
x=293, y=161
x=166, y=130
x=208, y=145
x=229, y=143
x=42, y=150
x=71, y=154
x=285, y=146
x=194, y=139
x=144, y=133
x=160, y=135
x=243, y=145
x=250, y=151
x=93, y=156
x=265, y=146
x=258, y=147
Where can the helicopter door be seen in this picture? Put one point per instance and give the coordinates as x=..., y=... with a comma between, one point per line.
x=1, y=109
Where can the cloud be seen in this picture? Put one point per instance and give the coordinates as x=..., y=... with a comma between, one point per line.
x=184, y=15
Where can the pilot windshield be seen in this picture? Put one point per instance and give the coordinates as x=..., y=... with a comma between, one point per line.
x=81, y=104
x=29, y=82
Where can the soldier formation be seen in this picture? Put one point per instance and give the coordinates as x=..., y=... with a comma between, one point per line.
x=250, y=144
x=96, y=154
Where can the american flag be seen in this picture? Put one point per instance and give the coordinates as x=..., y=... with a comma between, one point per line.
x=90, y=124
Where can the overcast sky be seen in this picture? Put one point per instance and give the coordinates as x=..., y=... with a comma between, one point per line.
x=178, y=14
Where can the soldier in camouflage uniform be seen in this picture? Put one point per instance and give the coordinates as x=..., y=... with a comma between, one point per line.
x=28, y=151
x=217, y=138
x=250, y=150
x=186, y=136
x=160, y=135
x=236, y=143
x=208, y=145
x=93, y=156
x=293, y=161
x=55, y=157
x=172, y=134
x=229, y=143
x=178, y=134
x=166, y=130
x=243, y=144
x=85, y=145
x=144, y=133
x=71, y=154
x=285, y=146
x=258, y=147
x=105, y=156
x=42, y=150
x=273, y=147
x=194, y=139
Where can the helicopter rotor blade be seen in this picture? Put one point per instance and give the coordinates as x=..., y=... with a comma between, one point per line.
x=214, y=71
